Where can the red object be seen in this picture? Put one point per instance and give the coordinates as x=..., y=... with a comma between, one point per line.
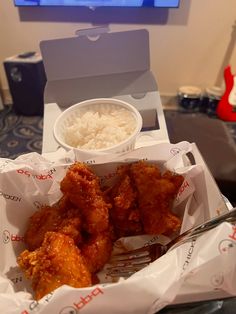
x=225, y=108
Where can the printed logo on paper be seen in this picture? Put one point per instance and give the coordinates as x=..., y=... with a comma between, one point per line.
x=13, y=198
x=41, y=176
x=81, y=302
x=68, y=310
x=185, y=191
x=6, y=236
x=34, y=305
x=233, y=235
x=188, y=256
x=227, y=244
x=9, y=237
x=217, y=280
x=17, y=279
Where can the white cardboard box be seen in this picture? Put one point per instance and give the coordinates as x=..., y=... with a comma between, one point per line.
x=96, y=63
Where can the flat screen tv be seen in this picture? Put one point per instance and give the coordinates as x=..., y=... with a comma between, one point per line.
x=101, y=3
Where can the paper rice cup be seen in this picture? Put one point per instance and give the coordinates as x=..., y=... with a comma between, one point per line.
x=68, y=117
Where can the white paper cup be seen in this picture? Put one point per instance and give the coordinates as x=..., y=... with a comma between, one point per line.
x=68, y=117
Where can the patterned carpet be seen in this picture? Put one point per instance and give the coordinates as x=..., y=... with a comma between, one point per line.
x=19, y=134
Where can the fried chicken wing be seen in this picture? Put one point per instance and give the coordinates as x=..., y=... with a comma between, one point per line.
x=125, y=215
x=57, y=262
x=62, y=217
x=72, y=240
x=97, y=251
x=83, y=189
x=142, y=200
x=156, y=193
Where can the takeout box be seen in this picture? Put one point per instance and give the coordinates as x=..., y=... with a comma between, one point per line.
x=96, y=63
x=201, y=269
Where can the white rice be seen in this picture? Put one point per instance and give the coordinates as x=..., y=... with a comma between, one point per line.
x=99, y=129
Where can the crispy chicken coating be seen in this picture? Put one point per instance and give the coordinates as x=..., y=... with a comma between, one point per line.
x=124, y=214
x=142, y=200
x=97, y=251
x=72, y=240
x=62, y=217
x=57, y=262
x=83, y=189
x=156, y=193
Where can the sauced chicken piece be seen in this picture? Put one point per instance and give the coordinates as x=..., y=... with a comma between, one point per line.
x=72, y=240
x=62, y=217
x=82, y=187
x=125, y=215
x=97, y=251
x=156, y=193
x=57, y=262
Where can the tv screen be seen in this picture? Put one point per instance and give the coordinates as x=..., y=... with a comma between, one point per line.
x=101, y=3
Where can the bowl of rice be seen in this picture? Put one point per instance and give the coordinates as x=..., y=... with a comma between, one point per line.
x=102, y=125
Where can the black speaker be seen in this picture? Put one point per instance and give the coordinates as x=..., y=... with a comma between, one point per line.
x=26, y=79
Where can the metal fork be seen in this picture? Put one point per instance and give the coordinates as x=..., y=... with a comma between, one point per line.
x=126, y=264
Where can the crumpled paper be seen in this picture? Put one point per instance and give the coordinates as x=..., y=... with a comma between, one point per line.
x=202, y=269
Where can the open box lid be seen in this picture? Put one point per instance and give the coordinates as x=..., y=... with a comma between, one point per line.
x=96, y=63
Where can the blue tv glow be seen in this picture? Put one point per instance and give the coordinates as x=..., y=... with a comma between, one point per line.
x=101, y=3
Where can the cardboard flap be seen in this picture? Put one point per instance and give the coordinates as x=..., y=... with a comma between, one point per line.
x=96, y=87
x=99, y=64
x=84, y=56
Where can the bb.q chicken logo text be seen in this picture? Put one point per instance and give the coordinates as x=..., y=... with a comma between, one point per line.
x=226, y=244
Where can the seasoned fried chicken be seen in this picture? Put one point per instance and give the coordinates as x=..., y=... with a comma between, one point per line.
x=83, y=189
x=62, y=217
x=124, y=214
x=70, y=241
x=142, y=200
x=156, y=193
x=57, y=262
x=97, y=251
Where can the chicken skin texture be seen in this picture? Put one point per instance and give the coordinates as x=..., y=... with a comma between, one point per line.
x=71, y=241
x=97, y=251
x=62, y=217
x=83, y=189
x=156, y=193
x=142, y=199
x=57, y=262
x=124, y=214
